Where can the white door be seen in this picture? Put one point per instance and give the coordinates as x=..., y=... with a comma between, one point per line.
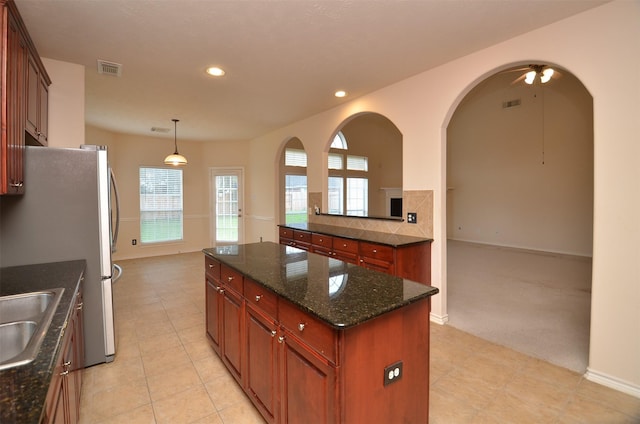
x=227, y=221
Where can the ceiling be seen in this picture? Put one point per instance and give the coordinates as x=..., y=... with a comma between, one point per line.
x=283, y=59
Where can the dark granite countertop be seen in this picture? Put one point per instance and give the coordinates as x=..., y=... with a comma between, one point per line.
x=341, y=294
x=395, y=240
x=23, y=389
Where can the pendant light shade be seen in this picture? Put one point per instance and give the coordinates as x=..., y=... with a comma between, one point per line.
x=175, y=159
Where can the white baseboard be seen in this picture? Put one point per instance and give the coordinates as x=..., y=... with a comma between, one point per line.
x=612, y=382
x=439, y=319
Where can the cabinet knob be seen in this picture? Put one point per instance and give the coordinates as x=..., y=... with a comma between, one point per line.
x=80, y=305
x=301, y=326
x=258, y=297
x=210, y=265
x=65, y=372
x=221, y=291
x=281, y=339
x=66, y=364
x=375, y=250
x=230, y=278
x=273, y=333
x=20, y=184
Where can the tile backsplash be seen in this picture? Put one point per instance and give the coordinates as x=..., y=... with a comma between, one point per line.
x=418, y=201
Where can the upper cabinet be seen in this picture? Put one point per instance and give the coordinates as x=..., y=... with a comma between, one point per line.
x=24, y=105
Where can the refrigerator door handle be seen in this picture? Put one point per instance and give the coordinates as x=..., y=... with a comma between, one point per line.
x=116, y=275
x=116, y=230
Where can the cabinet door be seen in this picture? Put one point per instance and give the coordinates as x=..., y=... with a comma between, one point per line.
x=232, y=332
x=261, y=352
x=213, y=314
x=43, y=111
x=13, y=110
x=33, y=88
x=309, y=389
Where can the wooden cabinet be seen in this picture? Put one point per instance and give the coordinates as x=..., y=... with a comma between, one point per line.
x=309, y=384
x=225, y=314
x=411, y=261
x=377, y=257
x=63, y=398
x=12, y=75
x=262, y=349
x=297, y=368
x=24, y=84
x=37, y=116
x=213, y=302
x=295, y=238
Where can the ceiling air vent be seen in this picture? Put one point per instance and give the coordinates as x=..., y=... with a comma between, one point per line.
x=160, y=129
x=109, y=68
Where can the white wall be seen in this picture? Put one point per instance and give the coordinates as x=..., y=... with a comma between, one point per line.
x=66, y=103
x=602, y=48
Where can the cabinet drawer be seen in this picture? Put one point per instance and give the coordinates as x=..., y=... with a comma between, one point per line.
x=312, y=331
x=376, y=251
x=302, y=236
x=260, y=297
x=231, y=278
x=286, y=233
x=322, y=240
x=345, y=245
x=212, y=268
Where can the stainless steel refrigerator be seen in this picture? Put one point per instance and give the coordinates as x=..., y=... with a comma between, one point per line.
x=68, y=212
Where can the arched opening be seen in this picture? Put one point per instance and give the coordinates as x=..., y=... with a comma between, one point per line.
x=293, y=182
x=520, y=215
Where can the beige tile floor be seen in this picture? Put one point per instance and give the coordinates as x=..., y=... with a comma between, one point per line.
x=165, y=371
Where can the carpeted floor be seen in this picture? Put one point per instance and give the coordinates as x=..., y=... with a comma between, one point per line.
x=534, y=302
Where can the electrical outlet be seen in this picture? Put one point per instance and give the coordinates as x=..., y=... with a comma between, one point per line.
x=393, y=373
x=412, y=218
x=134, y=242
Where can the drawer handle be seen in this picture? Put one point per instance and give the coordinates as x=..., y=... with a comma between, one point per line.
x=273, y=333
x=281, y=339
x=258, y=297
x=301, y=326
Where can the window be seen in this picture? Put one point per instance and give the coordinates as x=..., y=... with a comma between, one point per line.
x=352, y=181
x=160, y=204
x=295, y=183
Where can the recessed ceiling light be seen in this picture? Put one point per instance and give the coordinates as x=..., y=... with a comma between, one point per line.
x=340, y=93
x=215, y=71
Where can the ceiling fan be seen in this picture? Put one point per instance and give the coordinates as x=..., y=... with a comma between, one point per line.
x=535, y=73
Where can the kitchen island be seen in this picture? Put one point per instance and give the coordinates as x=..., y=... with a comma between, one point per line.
x=313, y=339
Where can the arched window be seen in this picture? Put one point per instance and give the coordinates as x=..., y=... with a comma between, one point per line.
x=348, y=188
x=294, y=172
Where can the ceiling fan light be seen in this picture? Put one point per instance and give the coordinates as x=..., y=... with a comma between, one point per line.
x=530, y=77
x=546, y=75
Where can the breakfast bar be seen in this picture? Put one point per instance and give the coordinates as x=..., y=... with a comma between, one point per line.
x=311, y=338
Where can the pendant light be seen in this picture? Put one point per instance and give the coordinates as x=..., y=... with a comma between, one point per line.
x=175, y=159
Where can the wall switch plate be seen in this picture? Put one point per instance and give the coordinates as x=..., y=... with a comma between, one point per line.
x=393, y=373
x=412, y=218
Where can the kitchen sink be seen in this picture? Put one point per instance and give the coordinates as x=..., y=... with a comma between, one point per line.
x=24, y=321
x=14, y=338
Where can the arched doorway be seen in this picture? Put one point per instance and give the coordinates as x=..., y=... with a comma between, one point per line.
x=519, y=215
